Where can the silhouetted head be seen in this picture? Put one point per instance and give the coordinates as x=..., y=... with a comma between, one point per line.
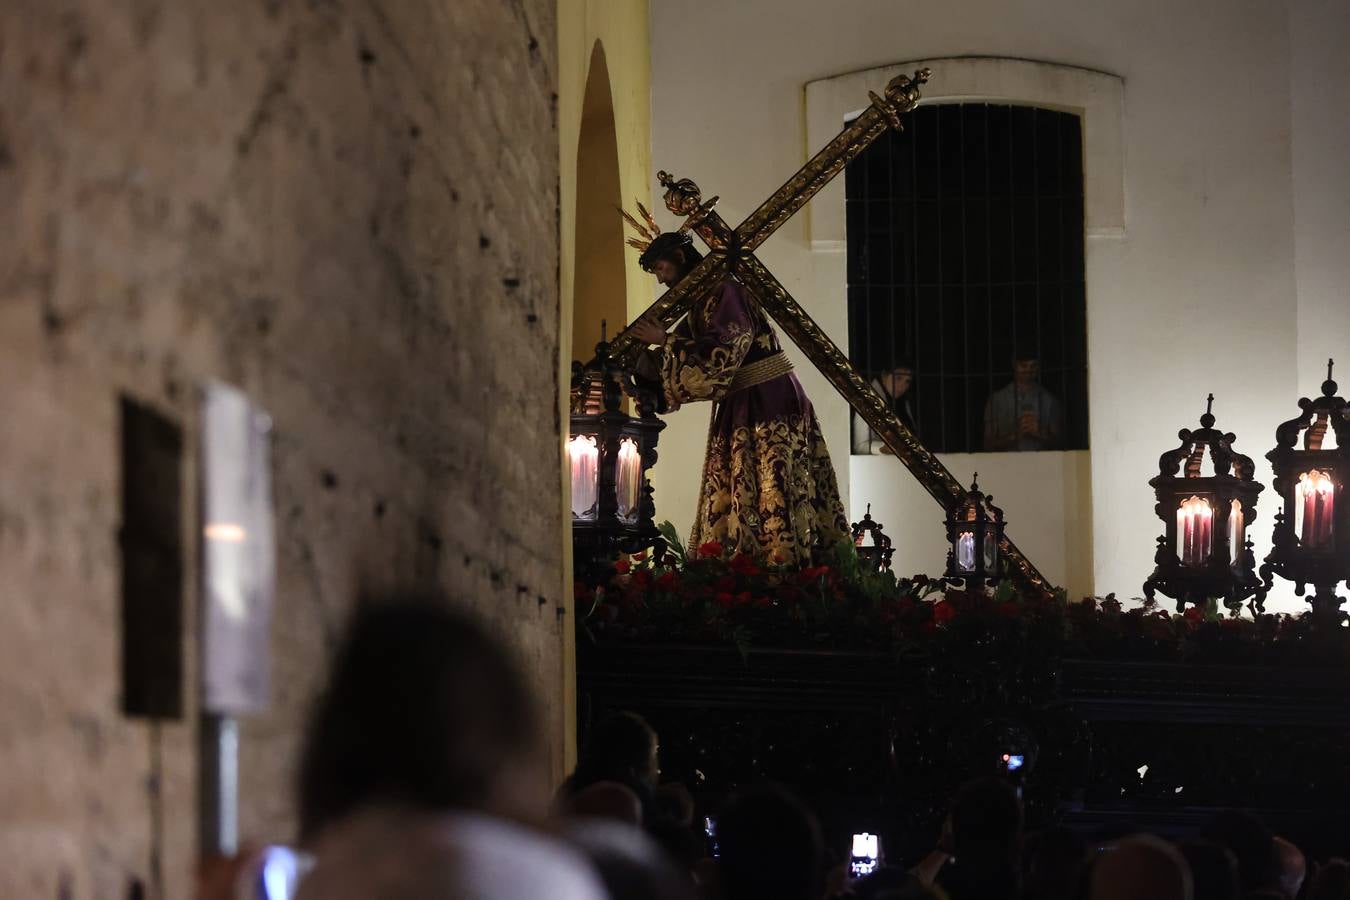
x=1250, y=841
x=771, y=847
x=986, y=819
x=424, y=709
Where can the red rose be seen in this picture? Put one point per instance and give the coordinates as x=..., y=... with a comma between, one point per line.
x=621, y=567
x=1194, y=614
x=642, y=579
x=710, y=550
x=725, y=583
x=743, y=565
x=725, y=600
x=943, y=611
x=668, y=582
x=813, y=573
x=1008, y=610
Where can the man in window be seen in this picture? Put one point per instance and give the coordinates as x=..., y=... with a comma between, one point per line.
x=1023, y=415
x=894, y=384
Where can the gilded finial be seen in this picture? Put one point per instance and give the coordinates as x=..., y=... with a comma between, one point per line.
x=647, y=230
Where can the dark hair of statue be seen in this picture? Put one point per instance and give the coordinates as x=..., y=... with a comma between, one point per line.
x=666, y=246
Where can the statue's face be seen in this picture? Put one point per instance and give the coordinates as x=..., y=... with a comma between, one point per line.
x=667, y=271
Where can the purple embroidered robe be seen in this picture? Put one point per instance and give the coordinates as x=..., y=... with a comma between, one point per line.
x=769, y=489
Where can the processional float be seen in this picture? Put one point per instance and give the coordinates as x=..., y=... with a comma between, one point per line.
x=732, y=252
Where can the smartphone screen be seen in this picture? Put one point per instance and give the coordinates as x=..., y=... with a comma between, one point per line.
x=282, y=869
x=1013, y=761
x=710, y=830
x=866, y=854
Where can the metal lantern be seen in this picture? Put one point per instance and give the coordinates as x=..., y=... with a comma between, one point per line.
x=1312, y=531
x=876, y=555
x=1204, y=553
x=975, y=533
x=609, y=453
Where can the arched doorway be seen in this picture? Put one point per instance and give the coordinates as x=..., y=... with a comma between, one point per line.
x=598, y=281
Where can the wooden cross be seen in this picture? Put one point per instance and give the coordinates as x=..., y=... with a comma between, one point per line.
x=732, y=253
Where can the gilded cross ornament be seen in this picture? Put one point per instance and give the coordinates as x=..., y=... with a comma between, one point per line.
x=731, y=252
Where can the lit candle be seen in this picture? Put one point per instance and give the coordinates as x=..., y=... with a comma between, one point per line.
x=1195, y=531
x=1206, y=516
x=584, y=456
x=1328, y=512
x=1315, y=506
x=1307, y=507
x=1237, y=531
x=627, y=485
x=965, y=551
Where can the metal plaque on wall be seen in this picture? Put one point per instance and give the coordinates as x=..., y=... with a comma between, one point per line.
x=238, y=552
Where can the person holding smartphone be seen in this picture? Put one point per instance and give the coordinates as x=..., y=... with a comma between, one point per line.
x=1023, y=415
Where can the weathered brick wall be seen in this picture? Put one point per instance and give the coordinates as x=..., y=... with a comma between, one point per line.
x=349, y=210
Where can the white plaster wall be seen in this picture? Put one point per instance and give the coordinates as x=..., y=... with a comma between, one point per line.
x=1320, y=88
x=1196, y=294
x=1041, y=495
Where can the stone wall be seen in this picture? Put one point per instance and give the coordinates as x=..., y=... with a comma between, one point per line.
x=350, y=211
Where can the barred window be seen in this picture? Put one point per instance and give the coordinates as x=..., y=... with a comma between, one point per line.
x=965, y=252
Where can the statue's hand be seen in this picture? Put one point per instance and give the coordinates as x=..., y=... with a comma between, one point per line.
x=647, y=331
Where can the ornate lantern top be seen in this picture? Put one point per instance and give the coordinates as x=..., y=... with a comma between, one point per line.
x=1192, y=452
x=880, y=551
x=978, y=506
x=1318, y=413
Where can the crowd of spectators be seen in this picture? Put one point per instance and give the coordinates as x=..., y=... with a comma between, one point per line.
x=424, y=775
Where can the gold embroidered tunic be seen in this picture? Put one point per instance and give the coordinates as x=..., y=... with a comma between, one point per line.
x=769, y=489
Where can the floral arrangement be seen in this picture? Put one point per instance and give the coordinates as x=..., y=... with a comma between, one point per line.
x=706, y=595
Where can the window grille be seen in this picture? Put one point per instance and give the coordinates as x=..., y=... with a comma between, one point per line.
x=965, y=246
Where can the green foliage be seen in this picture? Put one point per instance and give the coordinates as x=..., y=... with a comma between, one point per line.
x=673, y=543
